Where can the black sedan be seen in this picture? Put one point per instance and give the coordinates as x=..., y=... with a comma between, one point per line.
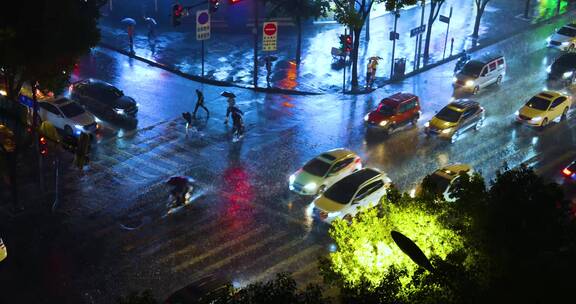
x=103, y=99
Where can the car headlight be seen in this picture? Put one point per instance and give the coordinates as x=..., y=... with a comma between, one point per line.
x=383, y=123
x=79, y=127
x=119, y=111
x=566, y=75
x=536, y=119
x=366, y=117
x=469, y=83
x=292, y=178
x=517, y=113
x=549, y=69
x=446, y=131
x=427, y=124
x=334, y=214
x=548, y=39
x=454, y=79
x=310, y=187
x=565, y=43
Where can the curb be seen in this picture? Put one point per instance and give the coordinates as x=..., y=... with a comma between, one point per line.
x=488, y=42
x=204, y=79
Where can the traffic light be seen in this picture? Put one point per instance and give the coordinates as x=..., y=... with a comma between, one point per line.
x=214, y=4
x=177, y=11
x=346, y=42
x=43, y=146
x=82, y=150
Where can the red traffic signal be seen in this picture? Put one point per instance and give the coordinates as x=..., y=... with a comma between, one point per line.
x=177, y=12
x=346, y=42
x=43, y=146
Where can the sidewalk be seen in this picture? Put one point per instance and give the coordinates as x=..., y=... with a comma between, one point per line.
x=229, y=57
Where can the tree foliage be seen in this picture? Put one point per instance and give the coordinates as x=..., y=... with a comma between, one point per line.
x=300, y=10
x=41, y=40
x=353, y=14
x=369, y=265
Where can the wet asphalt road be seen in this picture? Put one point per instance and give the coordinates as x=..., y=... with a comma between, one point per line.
x=244, y=224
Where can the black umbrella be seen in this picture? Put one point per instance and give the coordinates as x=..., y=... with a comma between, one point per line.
x=228, y=94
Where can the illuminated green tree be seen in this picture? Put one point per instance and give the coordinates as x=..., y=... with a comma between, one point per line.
x=371, y=268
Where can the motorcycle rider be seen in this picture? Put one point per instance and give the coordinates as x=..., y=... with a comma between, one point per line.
x=462, y=61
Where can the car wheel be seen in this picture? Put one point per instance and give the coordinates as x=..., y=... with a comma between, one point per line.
x=544, y=123
x=564, y=114
x=415, y=119
x=571, y=47
x=479, y=124
x=68, y=130
x=321, y=189
x=499, y=80
x=476, y=90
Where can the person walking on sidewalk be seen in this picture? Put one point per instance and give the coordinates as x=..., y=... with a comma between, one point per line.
x=200, y=104
x=130, y=30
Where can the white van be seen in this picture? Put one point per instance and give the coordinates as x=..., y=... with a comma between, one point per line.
x=480, y=73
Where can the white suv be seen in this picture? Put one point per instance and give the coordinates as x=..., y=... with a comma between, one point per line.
x=347, y=197
x=564, y=38
x=67, y=115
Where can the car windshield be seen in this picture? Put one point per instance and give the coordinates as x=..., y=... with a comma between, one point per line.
x=472, y=68
x=72, y=110
x=440, y=183
x=107, y=92
x=538, y=103
x=341, y=192
x=385, y=109
x=567, y=31
x=449, y=115
x=564, y=62
x=317, y=167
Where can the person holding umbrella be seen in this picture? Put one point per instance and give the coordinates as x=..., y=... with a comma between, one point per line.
x=235, y=113
x=151, y=24
x=130, y=23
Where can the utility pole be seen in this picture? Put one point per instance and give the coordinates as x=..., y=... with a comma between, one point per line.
x=394, y=35
x=255, y=76
x=420, y=36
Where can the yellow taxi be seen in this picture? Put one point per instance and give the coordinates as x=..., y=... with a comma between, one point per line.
x=455, y=118
x=543, y=108
x=3, y=251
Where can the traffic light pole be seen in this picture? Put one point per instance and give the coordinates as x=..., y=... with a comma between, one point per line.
x=255, y=78
x=202, y=58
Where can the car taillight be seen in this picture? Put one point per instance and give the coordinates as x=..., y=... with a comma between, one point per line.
x=566, y=172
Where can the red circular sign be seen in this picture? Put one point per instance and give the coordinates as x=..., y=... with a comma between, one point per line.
x=270, y=29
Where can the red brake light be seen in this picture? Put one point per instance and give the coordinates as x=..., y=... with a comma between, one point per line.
x=566, y=172
x=43, y=140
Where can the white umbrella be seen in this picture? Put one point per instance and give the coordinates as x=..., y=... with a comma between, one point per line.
x=129, y=21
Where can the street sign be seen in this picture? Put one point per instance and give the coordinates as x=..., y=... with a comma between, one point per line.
x=269, y=39
x=202, y=25
x=394, y=35
x=418, y=30
x=444, y=19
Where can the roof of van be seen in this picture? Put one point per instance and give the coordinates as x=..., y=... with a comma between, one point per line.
x=488, y=57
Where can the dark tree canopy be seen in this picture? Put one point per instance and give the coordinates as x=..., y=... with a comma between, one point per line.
x=41, y=40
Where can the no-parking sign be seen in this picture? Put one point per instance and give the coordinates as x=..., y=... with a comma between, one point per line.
x=270, y=36
x=202, y=25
